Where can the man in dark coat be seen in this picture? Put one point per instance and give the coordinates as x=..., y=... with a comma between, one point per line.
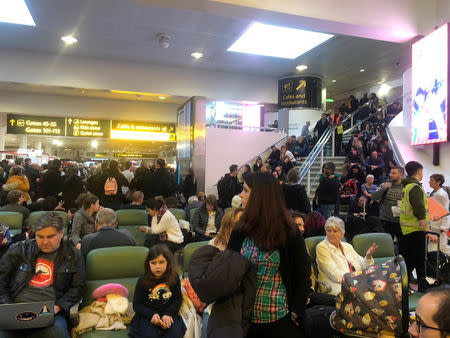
x=107, y=234
x=52, y=182
x=42, y=269
x=321, y=125
x=162, y=182
x=274, y=158
x=328, y=190
x=228, y=186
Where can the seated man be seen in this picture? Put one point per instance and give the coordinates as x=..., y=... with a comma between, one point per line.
x=15, y=199
x=137, y=198
x=432, y=315
x=40, y=269
x=374, y=165
x=107, y=235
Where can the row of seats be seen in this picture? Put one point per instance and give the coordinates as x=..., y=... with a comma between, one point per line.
x=129, y=219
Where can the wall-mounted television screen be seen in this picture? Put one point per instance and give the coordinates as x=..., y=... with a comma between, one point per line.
x=429, y=113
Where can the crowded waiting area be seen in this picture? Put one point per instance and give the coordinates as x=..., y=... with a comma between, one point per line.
x=219, y=169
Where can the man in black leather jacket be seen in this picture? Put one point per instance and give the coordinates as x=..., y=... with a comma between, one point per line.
x=43, y=268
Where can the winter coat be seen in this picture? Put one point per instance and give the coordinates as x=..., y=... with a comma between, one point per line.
x=162, y=183
x=23, y=184
x=228, y=279
x=200, y=218
x=82, y=225
x=17, y=268
x=52, y=182
x=296, y=198
x=71, y=190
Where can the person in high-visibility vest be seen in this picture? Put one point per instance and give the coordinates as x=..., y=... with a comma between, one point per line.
x=414, y=220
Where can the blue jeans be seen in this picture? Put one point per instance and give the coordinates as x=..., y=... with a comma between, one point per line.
x=326, y=209
x=57, y=330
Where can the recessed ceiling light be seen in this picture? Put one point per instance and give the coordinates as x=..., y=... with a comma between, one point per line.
x=301, y=67
x=276, y=41
x=333, y=81
x=362, y=70
x=69, y=39
x=162, y=97
x=16, y=12
x=197, y=55
x=380, y=82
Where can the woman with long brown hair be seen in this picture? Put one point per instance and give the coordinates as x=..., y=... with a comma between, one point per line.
x=267, y=236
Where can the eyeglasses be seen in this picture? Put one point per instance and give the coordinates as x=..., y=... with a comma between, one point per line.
x=420, y=325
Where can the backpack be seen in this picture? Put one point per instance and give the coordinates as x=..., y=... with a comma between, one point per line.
x=316, y=321
x=110, y=186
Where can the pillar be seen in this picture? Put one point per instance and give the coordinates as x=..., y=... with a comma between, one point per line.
x=2, y=131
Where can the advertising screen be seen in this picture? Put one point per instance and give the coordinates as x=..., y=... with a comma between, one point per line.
x=429, y=113
x=241, y=114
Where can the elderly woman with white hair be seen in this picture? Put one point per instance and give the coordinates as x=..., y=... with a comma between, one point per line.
x=335, y=258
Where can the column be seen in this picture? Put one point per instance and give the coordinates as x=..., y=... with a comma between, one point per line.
x=23, y=141
x=2, y=131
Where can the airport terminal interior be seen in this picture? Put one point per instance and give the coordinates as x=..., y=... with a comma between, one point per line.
x=131, y=114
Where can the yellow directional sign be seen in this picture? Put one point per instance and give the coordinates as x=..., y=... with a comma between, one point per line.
x=301, y=84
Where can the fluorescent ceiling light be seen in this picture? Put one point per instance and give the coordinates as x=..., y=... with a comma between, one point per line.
x=301, y=67
x=197, y=55
x=276, y=41
x=362, y=70
x=16, y=12
x=333, y=81
x=69, y=39
x=162, y=97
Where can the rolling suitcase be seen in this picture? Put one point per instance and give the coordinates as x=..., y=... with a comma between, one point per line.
x=437, y=265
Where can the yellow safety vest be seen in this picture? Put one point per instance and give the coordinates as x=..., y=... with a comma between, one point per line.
x=408, y=222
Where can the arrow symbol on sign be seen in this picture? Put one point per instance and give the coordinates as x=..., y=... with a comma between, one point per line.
x=301, y=83
x=12, y=122
x=70, y=121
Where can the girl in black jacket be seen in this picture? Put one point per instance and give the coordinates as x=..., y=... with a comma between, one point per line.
x=157, y=297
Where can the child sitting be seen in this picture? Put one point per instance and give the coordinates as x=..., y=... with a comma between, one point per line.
x=157, y=297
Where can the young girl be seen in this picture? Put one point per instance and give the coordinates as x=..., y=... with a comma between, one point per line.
x=157, y=298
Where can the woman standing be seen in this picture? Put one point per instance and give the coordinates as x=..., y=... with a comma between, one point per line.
x=439, y=225
x=267, y=236
x=113, y=180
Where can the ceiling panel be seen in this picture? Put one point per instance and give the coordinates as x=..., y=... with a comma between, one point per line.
x=126, y=30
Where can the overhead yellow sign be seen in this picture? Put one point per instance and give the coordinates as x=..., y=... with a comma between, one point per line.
x=143, y=131
x=35, y=125
x=87, y=127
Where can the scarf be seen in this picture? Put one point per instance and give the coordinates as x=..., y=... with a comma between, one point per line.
x=161, y=212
